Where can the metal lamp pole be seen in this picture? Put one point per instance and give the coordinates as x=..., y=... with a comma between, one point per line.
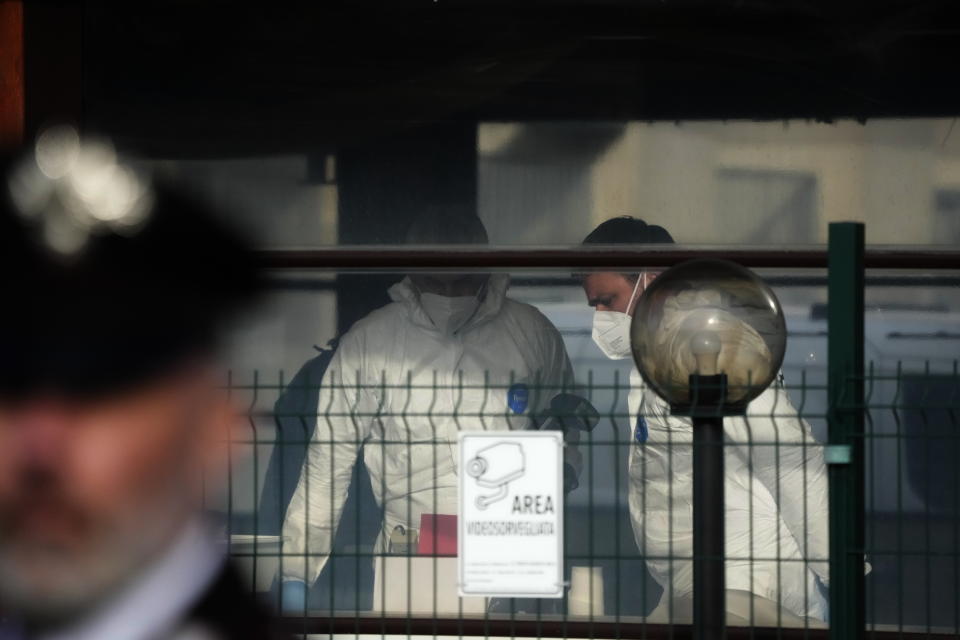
x=706, y=409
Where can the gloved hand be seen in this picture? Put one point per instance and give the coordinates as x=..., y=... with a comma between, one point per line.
x=570, y=414
x=293, y=596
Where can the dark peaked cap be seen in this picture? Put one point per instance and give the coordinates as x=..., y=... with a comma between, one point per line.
x=126, y=307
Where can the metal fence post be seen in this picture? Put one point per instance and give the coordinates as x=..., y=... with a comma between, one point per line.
x=708, y=394
x=846, y=429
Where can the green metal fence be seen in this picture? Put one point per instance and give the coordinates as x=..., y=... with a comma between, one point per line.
x=910, y=420
x=892, y=458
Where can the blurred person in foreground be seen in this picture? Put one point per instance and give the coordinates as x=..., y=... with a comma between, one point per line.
x=452, y=352
x=113, y=420
x=776, y=497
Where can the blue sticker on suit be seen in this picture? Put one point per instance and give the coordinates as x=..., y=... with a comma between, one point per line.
x=641, y=433
x=518, y=397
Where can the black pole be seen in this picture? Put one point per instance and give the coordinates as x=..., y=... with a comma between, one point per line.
x=707, y=394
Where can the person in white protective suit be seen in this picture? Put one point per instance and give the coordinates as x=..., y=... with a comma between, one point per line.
x=452, y=352
x=776, y=539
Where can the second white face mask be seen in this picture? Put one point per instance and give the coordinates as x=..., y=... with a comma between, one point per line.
x=611, y=332
x=449, y=314
x=611, y=329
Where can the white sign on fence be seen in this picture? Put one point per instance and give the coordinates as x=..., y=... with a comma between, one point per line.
x=511, y=514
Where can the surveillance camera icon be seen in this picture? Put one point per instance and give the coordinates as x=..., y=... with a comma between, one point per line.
x=494, y=467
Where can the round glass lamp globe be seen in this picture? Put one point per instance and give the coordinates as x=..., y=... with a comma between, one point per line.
x=708, y=317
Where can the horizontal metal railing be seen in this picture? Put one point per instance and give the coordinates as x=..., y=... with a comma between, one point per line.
x=593, y=257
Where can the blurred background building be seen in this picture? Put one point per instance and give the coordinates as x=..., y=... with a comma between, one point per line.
x=710, y=183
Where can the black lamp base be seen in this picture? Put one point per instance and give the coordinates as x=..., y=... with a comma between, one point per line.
x=708, y=399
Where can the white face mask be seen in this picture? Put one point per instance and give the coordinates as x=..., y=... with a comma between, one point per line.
x=449, y=314
x=611, y=329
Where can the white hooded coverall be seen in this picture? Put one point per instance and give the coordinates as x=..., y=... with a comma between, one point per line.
x=403, y=388
x=777, y=527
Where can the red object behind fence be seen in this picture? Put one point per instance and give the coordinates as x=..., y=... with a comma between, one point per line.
x=438, y=535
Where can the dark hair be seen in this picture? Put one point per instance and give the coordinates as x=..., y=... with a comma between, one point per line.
x=628, y=230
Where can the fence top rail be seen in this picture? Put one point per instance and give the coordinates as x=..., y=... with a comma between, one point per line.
x=408, y=627
x=378, y=257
